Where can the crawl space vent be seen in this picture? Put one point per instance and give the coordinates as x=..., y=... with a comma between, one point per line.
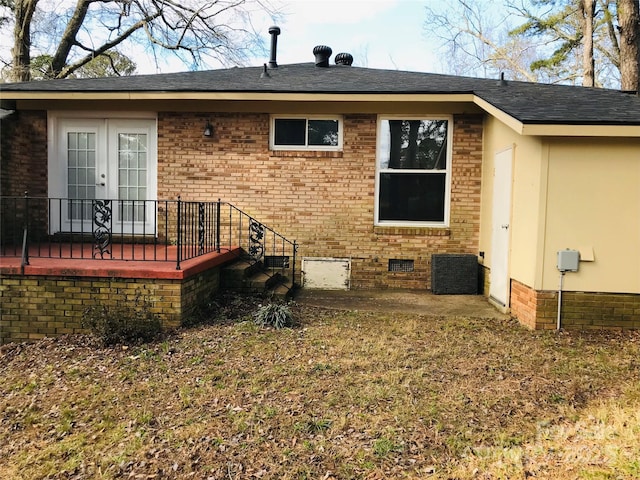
x=454, y=274
x=398, y=265
x=276, y=261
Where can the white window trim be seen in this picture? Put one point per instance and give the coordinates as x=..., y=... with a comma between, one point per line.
x=306, y=147
x=447, y=172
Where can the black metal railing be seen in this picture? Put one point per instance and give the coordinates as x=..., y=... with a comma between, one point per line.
x=259, y=242
x=138, y=230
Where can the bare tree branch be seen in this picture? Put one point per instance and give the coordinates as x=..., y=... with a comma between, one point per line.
x=215, y=29
x=69, y=69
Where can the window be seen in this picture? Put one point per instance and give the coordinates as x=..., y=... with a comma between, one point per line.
x=306, y=133
x=413, y=172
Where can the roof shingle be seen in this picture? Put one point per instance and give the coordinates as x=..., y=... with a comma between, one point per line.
x=527, y=102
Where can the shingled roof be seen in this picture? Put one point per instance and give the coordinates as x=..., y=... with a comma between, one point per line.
x=529, y=103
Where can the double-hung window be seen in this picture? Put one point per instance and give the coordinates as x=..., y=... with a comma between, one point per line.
x=291, y=132
x=413, y=173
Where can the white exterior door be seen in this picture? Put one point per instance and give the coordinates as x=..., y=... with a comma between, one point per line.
x=501, y=228
x=131, y=173
x=104, y=159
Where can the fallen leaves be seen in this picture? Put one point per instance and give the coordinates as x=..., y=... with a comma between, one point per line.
x=345, y=395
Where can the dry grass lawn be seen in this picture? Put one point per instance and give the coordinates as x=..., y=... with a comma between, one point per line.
x=343, y=395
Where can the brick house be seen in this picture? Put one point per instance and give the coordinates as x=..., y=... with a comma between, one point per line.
x=371, y=171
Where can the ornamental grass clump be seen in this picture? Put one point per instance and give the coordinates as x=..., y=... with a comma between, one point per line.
x=275, y=315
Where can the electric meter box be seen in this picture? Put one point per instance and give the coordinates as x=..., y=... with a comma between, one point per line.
x=568, y=260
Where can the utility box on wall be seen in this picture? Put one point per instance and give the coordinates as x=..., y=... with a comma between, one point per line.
x=454, y=274
x=568, y=260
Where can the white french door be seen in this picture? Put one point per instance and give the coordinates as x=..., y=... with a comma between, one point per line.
x=104, y=159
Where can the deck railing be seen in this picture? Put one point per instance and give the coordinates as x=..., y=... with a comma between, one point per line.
x=137, y=230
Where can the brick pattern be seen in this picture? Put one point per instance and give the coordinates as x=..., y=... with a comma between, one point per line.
x=523, y=304
x=23, y=157
x=580, y=310
x=484, y=280
x=197, y=290
x=34, y=307
x=323, y=200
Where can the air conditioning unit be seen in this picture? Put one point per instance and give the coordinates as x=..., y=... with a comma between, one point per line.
x=454, y=274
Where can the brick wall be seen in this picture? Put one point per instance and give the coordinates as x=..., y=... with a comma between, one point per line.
x=580, y=310
x=198, y=290
x=23, y=157
x=323, y=200
x=33, y=307
x=524, y=304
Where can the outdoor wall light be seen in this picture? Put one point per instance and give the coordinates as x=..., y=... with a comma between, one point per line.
x=208, y=130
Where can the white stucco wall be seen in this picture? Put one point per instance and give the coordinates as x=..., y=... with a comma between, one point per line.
x=572, y=192
x=527, y=198
x=593, y=204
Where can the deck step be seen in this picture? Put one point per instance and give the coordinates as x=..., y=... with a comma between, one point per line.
x=283, y=291
x=237, y=274
x=243, y=277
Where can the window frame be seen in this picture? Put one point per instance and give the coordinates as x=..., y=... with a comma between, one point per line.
x=447, y=171
x=306, y=146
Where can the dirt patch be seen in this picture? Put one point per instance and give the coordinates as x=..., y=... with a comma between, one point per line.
x=401, y=301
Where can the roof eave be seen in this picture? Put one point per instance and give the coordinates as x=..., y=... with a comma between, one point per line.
x=580, y=130
x=560, y=128
x=239, y=95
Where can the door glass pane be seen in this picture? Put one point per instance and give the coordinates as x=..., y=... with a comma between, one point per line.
x=81, y=173
x=132, y=153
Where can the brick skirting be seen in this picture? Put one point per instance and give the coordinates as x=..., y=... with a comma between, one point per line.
x=580, y=310
x=35, y=306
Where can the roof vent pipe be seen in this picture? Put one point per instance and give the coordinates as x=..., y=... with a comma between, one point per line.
x=502, y=82
x=274, y=32
x=344, y=59
x=322, y=54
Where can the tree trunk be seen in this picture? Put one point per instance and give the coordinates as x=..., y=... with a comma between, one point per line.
x=629, y=26
x=68, y=39
x=21, y=51
x=588, y=65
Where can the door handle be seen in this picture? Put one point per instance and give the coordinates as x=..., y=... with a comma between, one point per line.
x=505, y=226
x=101, y=184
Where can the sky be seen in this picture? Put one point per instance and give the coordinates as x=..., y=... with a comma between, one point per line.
x=385, y=34
x=378, y=33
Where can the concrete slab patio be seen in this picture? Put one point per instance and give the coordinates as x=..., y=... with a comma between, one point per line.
x=405, y=301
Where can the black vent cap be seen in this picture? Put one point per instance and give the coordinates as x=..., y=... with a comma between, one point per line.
x=322, y=54
x=344, y=59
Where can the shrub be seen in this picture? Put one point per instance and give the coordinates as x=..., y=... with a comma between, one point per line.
x=123, y=324
x=276, y=315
